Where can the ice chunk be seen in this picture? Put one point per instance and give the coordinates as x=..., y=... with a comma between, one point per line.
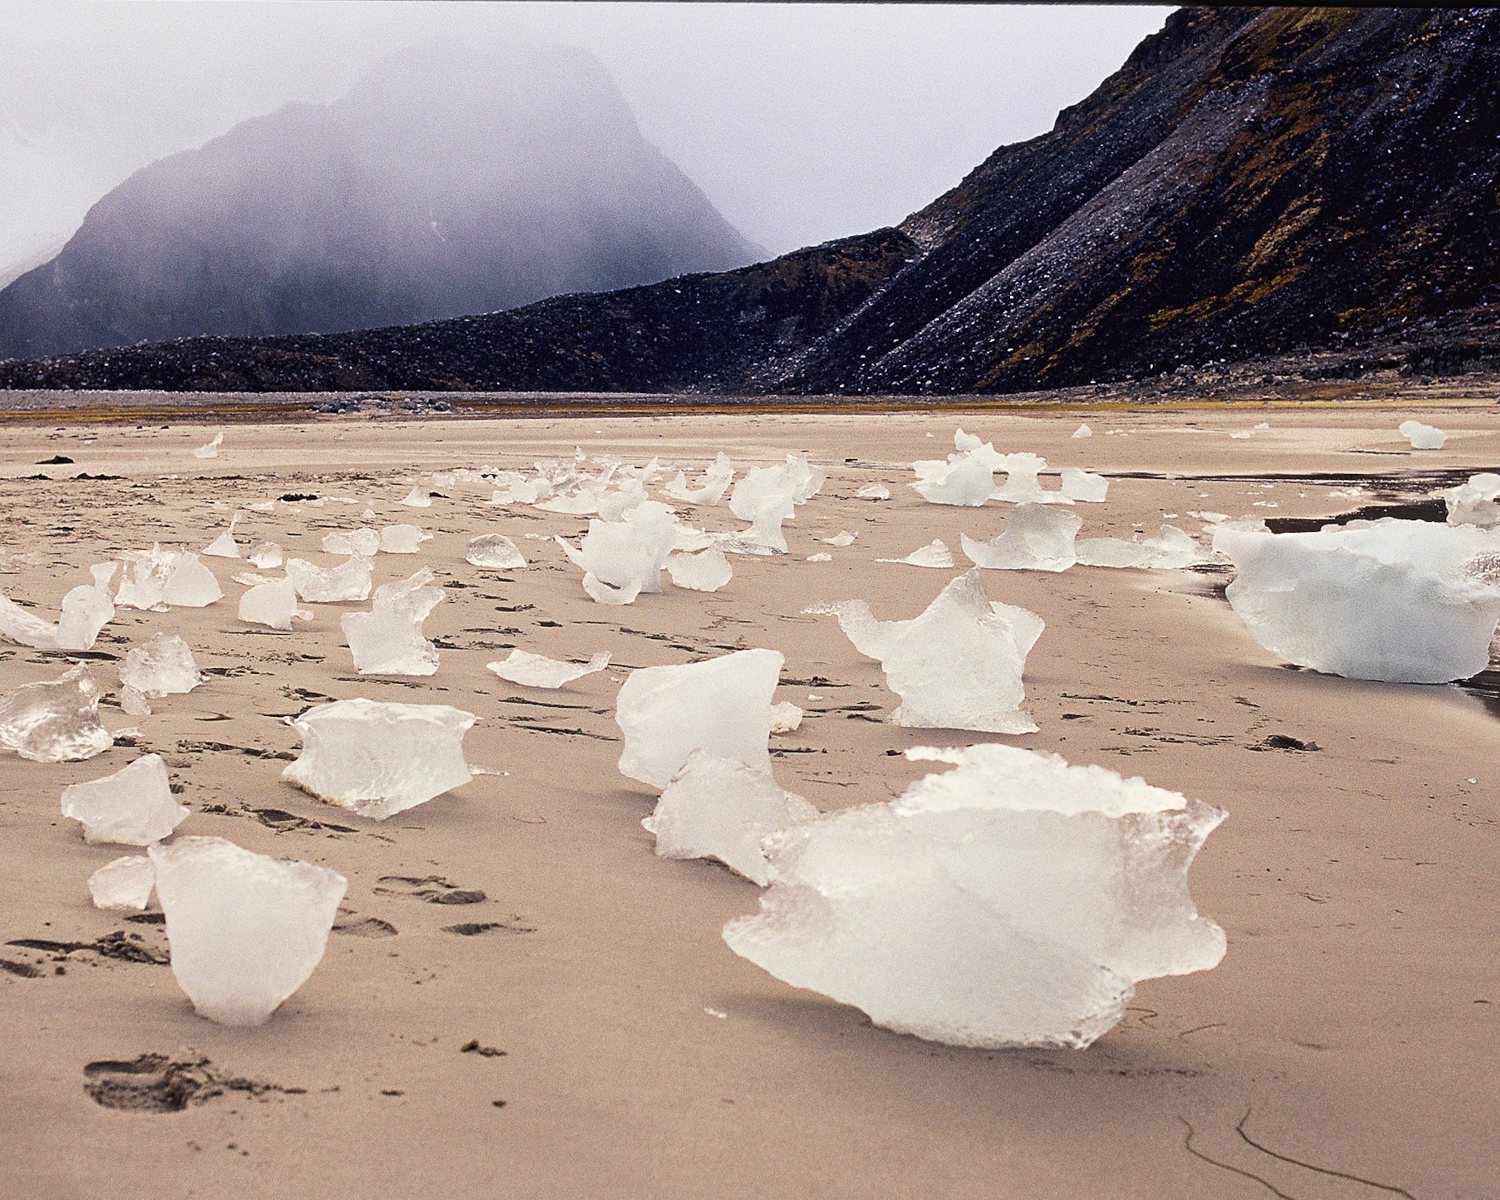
x=1171, y=549
x=364, y=542
x=1084, y=486
x=133, y=807
x=1398, y=601
x=704, y=572
x=1083, y=431
x=722, y=705
x=795, y=481
x=958, y=665
x=538, y=671
x=511, y=487
x=388, y=639
x=1022, y=485
x=246, y=930
x=493, y=551
x=380, y=759
x=224, y=546
x=874, y=491
x=86, y=609
x=55, y=721
x=710, y=488
x=1037, y=538
x=765, y=529
x=962, y=480
x=823, y=557
x=402, y=539
x=349, y=580
x=621, y=559
x=417, y=498
x=1260, y=427
x=1014, y=901
x=1476, y=502
x=158, y=579
x=265, y=556
x=934, y=554
x=163, y=666
x=123, y=883
x=273, y=604
x=842, y=538
x=1422, y=437
x=211, y=448
x=785, y=717
x=720, y=808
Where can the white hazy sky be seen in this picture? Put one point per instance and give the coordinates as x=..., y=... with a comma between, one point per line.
x=802, y=122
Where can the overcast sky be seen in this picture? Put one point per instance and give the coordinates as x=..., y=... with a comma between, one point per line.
x=801, y=122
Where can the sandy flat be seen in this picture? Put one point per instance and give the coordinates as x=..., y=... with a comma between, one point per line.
x=1346, y=1047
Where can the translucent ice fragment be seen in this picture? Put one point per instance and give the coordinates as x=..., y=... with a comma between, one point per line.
x=493, y=551
x=722, y=705
x=795, y=480
x=265, y=556
x=1084, y=486
x=1259, y=427
x=388, y=639
x=211, y=448
x=380, y=759
x=538, y=671
x=621, y=559
x=934, y=554
x=1037, y=538
x=402, y=539
x=707, y=571
x=1083, y=431
x=1014, y=901
x=962, y=480
x=710, y=488
x=842, y=538
x=224, y=546
x=1422, y=437
x=1391, y=600
x=163, y=666
x=874, y=491
x=1476, y=502
x=363, y=541
x=273, y=604
x=822, y=557
x=958, y=665
x=785, y=717
x=86, y=609
x=349, y=580
x=123, y=883
x=1172, y=548
x=246, y=930
x=133, y=807
x=1022, y=485
x=56, y=721
x=417, y=498
x=720, y=808
x=158, y=579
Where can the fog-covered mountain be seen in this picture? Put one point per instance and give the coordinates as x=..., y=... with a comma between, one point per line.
x=446, y=181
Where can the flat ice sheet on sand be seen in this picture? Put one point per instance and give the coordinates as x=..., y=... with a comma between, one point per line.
x=56, y=720
x=539, y=671
x=380, y=759
x=958, y=665
x=1014, y=901
x=246, y=930
x=1391, y=600
x=132, y=807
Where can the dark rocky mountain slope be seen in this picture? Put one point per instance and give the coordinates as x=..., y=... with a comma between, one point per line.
x=1251, y=183
x=445, y=182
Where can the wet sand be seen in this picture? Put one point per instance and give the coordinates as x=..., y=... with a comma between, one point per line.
x=1346, y=1047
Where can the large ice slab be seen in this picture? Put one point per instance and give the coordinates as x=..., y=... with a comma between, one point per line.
x=1391, y=600
x=722, y=705
x=1475, y=502
x=158, y=579
x=1013, y=901
x=494, y=551
x=123, y=883
x=380, y=759
x=86, y=609
x=1037, y=537
x=55, y=721
x=246, y=930
x=350, y=580
x=621, y=559
x=133, y=807
x=958, y=665
x=719, y=808
x=539, y=671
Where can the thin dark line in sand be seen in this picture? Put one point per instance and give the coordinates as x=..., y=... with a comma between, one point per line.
x=1384, y=1187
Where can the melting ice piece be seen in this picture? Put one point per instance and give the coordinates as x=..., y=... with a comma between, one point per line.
x=1037, y=538
x=388, y=639
x=364, y=542
x=511, y=487
x=1422, y=437
x=795, y=480
x=1259, y=427
x=348, y=581
x=538, y=671
x=962, y=480
x=380, y=759
x=265, y=556
x=1014, y=901
x=1476, y=502
x=1083, y=431
x=842, y=538
x=210, y=449
x=874, y=491
x=720, y=808
x=711, y=487
x=722, y=705
x=1084, y=486
x=402, y=539
x=1173, y=548
x=246, y=930
x=785, y=717
x=158, y=579
x=934, y=554
x=707, y=571
x=1391, y=600
x=621, y=559
x=86, y=609
x=273, y=604
x=1022, y=485
x=123, y=883
x=133, y=807
x=417, y=498
x=224, y=546
x=824, y=557
x=56, y=721
x=493, y=551
x=163, y=666
x=765, y=528
x=958, y=665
